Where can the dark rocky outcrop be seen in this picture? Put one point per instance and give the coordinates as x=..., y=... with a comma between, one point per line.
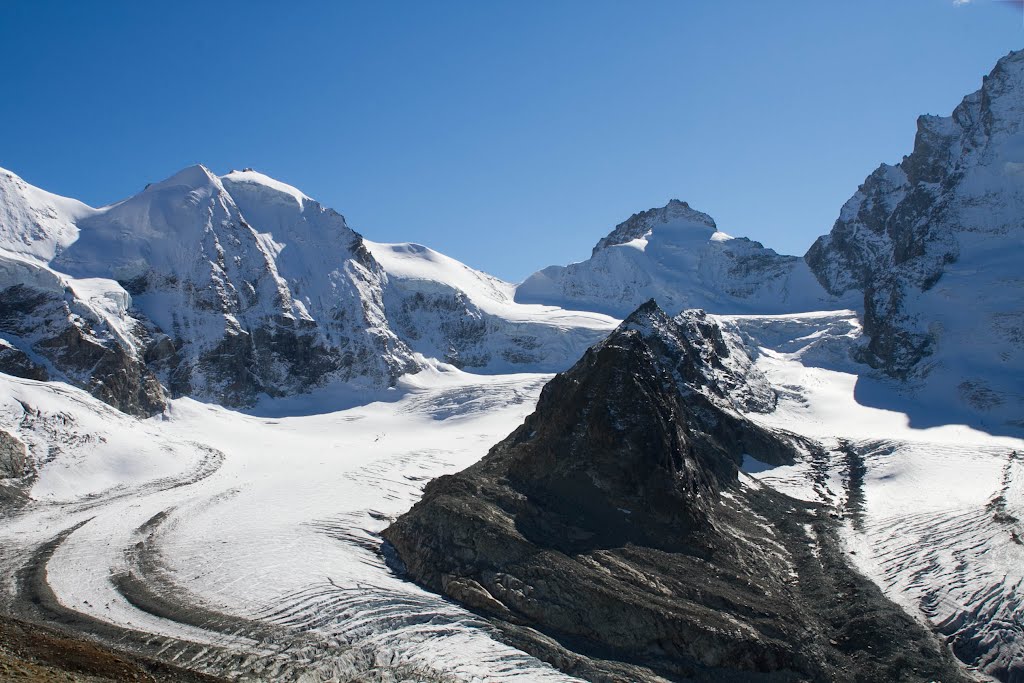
x=15, y=362
x=609, y=534
x=13, y=456
x=77, y=347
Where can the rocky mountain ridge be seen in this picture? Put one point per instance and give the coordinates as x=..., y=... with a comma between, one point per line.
x=933, y=245
x=613, y=522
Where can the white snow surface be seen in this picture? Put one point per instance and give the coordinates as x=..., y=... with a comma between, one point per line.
x=446, y=310
x=34, y=223
x=414, y=263
x=274, y=519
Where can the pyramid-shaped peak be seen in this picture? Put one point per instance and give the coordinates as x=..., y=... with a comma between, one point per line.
x=692, y=326
x=676, y=212
x=647, y=318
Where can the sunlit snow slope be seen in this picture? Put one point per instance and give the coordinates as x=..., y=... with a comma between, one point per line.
x=446, y=310
x=249, y=543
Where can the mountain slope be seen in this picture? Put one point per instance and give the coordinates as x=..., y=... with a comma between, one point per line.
x=446, y=310
x=229, y=288
x=205, y=272
x=934, y=245
x=58, y=327
x=678, y=256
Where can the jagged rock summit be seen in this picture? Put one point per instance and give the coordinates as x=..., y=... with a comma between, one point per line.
x=610, y=535
x=677, y=255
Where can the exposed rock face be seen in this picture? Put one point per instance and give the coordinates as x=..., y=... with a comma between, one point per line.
x=13, y=456
x=14, y=361
x=934, y=243
x=55, y=327
x=612, y=522
x=678, y=256
x=85, y=351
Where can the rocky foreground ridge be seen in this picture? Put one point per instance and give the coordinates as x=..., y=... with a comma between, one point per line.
x=610, y=534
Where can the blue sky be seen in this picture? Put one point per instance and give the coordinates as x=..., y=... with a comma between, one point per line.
x=510, y=135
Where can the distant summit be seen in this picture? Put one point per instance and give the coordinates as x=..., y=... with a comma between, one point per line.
x=639, y=224
x=677, y=255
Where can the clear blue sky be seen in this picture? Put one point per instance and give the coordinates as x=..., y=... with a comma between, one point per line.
x=510, y=135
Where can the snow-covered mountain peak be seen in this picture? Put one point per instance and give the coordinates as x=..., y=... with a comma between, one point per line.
x=270, y=188
x=677, y=255
x=239, y=287
x=933, y=246
x=195, y=177
x=676, y=216
x=158, y=229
